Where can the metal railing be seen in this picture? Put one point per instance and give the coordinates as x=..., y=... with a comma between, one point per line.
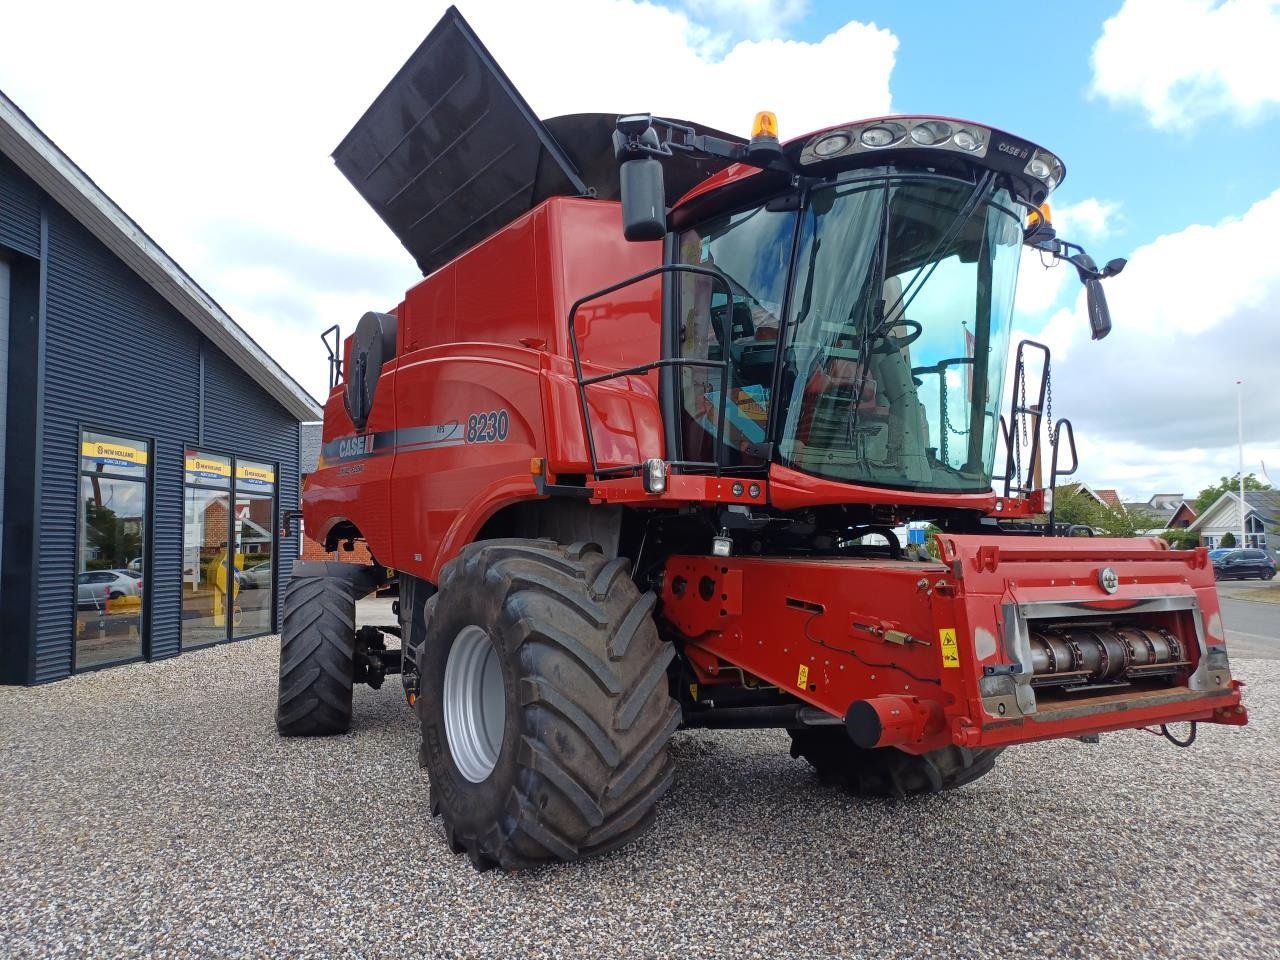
x=666, y=361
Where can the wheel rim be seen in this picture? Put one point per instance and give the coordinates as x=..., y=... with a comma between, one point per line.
x=475, y=703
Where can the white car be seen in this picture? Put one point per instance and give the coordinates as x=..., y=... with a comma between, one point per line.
x=95, y=586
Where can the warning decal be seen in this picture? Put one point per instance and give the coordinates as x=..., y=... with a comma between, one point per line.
x=950, y=653
x=802, y=678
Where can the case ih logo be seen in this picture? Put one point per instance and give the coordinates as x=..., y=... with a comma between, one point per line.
x=360, y=446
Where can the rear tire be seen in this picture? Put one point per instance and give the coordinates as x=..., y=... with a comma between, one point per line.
x=317, y=657
x=888, y=771
x=562, y=728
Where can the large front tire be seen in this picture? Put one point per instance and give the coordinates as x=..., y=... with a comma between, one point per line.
x=544, y=704
x=887, y=771
x=317, y=657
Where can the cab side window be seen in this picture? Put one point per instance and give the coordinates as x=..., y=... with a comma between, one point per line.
x=740, y=324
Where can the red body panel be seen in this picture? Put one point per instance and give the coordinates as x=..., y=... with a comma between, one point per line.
x=488, y=333
x=482, y=393
x=836, y=631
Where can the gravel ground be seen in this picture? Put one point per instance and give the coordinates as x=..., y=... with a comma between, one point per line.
x=152, y=811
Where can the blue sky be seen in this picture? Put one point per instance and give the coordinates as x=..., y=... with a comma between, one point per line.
x=212, y=127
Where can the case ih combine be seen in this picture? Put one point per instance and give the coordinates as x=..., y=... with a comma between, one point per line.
x=637, y=445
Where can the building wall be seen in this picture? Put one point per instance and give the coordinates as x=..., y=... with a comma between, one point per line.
x=117, y=357
x=4, y=381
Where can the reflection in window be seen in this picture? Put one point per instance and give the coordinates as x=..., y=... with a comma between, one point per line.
x=228, y=582
x=111, y=549
x=750, y=249
x=254, y=532
x=209, y=588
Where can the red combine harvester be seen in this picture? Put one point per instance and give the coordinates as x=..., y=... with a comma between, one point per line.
x=637, y=446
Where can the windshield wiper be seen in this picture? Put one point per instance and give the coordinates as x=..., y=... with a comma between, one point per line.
x=978, y=196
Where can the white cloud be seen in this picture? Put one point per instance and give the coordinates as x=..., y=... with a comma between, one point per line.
x=1184, y=60
x=1192, y=312
x=213, y=128
x=757, y=19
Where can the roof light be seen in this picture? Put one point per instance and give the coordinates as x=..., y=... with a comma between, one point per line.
x=1041, y=214
x=831, y=145
x=1046, y=168
x=883, y=135
x=899, y=133
x=765, y=125
x=931, y=133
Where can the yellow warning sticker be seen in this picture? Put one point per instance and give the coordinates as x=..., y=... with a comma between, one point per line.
x=950, y=652
x=802, y=678
x=693, y=692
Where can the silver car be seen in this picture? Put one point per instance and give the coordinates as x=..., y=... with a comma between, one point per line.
x=95, y=586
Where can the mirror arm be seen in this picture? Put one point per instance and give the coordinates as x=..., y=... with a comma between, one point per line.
x=637, y=135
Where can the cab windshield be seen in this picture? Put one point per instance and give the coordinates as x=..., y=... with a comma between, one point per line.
x=876, y=354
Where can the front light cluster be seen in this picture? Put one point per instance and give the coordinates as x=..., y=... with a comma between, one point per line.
x=902, y=131
x=1046, y=168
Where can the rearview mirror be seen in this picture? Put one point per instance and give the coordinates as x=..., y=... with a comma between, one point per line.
x=1099, y=315
x=644, y=200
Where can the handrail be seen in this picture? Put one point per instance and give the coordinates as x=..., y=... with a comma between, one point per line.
x=1013, y=444
x=335, y=354
x=583, y=383
x=1054, y=472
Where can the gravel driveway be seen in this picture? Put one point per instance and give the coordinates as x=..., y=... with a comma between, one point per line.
x=152, y=811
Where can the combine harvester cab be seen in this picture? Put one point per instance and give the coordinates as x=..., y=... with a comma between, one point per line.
x=637, y=446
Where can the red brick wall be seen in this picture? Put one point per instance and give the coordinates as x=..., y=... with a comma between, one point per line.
x=311, y=550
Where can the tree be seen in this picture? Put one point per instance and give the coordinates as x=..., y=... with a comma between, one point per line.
x=1227, y=485
x=1228, y=540
x=1181, y=539
x=1076, y=508
x=1080, y=509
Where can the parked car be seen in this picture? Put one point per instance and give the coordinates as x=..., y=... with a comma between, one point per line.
x=1244, y=565
x=94, y=586
x=257, y=577
x=1218, y=552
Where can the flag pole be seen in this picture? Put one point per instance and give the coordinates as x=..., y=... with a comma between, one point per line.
x=1240, y=441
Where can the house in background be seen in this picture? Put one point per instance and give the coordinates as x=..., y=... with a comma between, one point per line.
x=1261, y=520
x=1071, y=489
x=1170, y=509
x=1109, y=497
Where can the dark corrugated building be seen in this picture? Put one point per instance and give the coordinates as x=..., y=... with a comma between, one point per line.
x=148, y=446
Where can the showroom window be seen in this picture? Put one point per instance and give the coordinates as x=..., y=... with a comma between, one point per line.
x=228, y=548
x=111, y=549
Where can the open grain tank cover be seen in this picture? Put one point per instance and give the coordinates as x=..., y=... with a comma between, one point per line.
x=450, y=152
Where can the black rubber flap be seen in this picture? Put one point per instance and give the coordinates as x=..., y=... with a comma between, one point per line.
x=450, y=152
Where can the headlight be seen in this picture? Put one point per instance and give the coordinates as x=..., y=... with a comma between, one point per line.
x=882, y=135
x=1046, y=168
x=830, y=145
x=931, y=133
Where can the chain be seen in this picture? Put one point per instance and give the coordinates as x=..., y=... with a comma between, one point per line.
x=1019, y=378
x=1048, y=386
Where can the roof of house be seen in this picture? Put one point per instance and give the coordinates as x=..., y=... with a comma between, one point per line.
x=54, y=172
x=1071, y=489
x=1108, y=496
x=1144, y=506
x=1264, y=503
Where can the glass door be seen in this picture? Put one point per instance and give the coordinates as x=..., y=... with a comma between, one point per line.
x=210, y=587
x=255, y=540
x=111, y=554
